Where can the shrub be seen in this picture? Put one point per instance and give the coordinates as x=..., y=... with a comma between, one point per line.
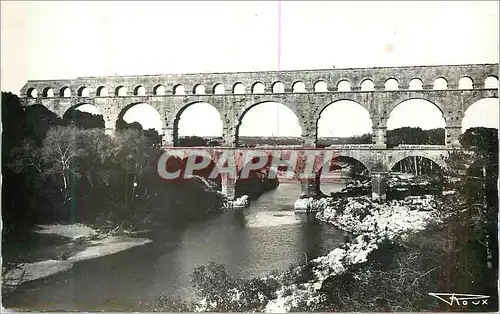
x=168, y=304
x=223, y=292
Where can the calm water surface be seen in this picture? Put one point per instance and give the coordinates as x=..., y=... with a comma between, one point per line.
x=251, y=242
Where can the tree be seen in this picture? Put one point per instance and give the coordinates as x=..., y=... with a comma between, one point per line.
x=124, y=125
x=190, y=141
x=59, y=152
x=133, y=154
x=39, y=120
x=13, y=124
x=84, y=120
x=415, y=136
x=17, y=213
x=482, y=140
x=153, y=136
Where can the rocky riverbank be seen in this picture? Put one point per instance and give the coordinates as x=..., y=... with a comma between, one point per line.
x=63, y=246
x=369, y=227
x=369, y=223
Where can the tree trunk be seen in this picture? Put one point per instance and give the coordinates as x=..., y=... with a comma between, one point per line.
x=416, y=165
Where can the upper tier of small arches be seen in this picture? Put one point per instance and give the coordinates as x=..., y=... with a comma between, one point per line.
x=259, y=88
x=308, y=81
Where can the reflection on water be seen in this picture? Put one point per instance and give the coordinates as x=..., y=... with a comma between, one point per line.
x=254, y=241
x=272, y=219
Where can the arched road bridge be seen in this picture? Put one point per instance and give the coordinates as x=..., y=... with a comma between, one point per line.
x=306, y=92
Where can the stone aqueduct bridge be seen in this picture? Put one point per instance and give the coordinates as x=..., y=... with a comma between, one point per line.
x=378, y=161
x=233, y=94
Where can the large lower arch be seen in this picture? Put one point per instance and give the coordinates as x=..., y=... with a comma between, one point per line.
x=286, y=171
x=176, y=166
x=142, y=113
x=333, y=174
x=416, y=121
x=197, y=119
x=254, y=182
x=344, y=122
x=85, y=115
x=206, y=172
x=280, y=168
x=421, y=98
x=84, y=107
x=437, y=157
x=482, y=113
x=270, y=119
x=415, y=175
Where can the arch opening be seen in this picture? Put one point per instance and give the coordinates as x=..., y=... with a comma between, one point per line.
x=32, y=92
x=415, y=122
x=219, y=89
x=321, y=87
x=102, y=91
x=140, y=116
x=278, y=87
x=85, y=116
x=344, y=122
x=48, y=92
x=255, y=182
x=239, y=88
x=345, y=176
x=269, y=123
x=199, y=89
x=286, y=172
x=440, y=84
x=482, y=113
x=83, y=92
x=414, y=175
x=367, y=85
x=139, y=91
x=465, y=83
x=343, y=86
x=65, y=92
x=391, y=84
x=198, y=124
x=491, y=82
x=415, y=84
x=258, y=88
x=299, y=87
x=160, y=90
x=180, y=164
x=121, y=91
x=179, y=90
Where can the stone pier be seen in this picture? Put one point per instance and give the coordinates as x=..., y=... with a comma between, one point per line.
x=228, y=185
x=379, y=185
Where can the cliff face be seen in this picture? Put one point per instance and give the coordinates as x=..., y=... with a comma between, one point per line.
x=257, y=183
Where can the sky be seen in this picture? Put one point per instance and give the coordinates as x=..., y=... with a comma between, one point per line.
x=66, y=39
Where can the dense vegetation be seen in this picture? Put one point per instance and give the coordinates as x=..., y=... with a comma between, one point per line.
x=68, y=170
x=191, y=141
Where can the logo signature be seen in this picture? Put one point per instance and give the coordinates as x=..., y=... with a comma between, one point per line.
x=461, y=299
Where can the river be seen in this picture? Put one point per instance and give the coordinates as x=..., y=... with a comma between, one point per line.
x=253, y=241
